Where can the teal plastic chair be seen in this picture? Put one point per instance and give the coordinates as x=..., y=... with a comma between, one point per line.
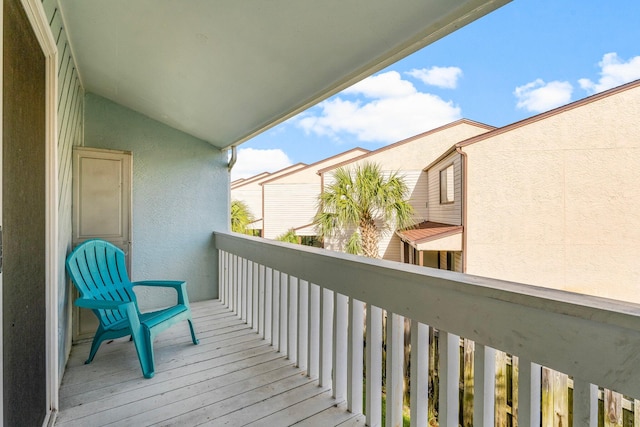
x=97, y=269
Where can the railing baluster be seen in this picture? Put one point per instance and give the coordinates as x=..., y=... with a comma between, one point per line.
x=340, y=325
x=395, y=361
x=234, y=284
x=303, y=324
x=585, y=404
x=529, y=393
x=268, y=305
x=484, y=385
x=245, y=290
x=420, y=374
x=326, y=337
x=284, y=319
x=355, y=363
x=373, y=410
x=255, y=301
x=449, y=375
x=292, y=321
x=262, y=301
x=248, y=299
x=275, y=310
x=221, y=278
x=313, y=352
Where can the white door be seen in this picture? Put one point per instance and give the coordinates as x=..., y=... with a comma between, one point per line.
x=101, y=209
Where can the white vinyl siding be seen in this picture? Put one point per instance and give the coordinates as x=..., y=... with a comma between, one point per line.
x=252, y=196
x=446, y=213
x=70, y=134
x=288, y=206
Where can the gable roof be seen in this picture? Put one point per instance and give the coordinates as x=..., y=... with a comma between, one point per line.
x=225, y=71
x=320, y=162
x=268, y=175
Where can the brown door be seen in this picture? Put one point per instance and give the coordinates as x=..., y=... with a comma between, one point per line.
x=23, y=221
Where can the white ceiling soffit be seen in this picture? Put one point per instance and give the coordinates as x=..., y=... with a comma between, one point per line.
x=224, y=71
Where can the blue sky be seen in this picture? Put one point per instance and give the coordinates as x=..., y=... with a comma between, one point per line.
x=525, y=58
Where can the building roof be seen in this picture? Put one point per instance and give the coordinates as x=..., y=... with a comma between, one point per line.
x=550, y=113
x=428, y=231
x=408, y=140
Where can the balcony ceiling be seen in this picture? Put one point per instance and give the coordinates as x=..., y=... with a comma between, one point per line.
x=224, y=71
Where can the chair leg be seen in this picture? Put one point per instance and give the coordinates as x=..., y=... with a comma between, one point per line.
x=95, y=345
x=195, y=340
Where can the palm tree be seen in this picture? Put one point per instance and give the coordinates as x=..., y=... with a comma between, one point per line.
x=241, y=216
x=364, y=199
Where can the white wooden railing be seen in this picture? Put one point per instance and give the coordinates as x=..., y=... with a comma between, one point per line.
x=309, y=304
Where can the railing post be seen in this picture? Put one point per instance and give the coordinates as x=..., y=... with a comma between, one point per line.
x=340, y=325
x=484, y=385
x=313, y=352
x=326, y=337
x=395, y=362
x=449, y=403
x=420, y=374
x=355, y=364
x=373, y=410
x=292, y=321
x=529, y=393
x=303, y=324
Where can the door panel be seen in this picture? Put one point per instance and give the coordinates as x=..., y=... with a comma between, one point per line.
x=101, y=209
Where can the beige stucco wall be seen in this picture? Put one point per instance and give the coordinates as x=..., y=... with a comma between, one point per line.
x=556, y=202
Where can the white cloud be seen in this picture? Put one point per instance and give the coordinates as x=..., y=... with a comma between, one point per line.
x=397, y=111
x=538, y=96
x=613, y=72
x=253, y=161
x=443, y=77
x=385, y=85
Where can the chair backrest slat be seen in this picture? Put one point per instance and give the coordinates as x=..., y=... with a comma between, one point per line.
x=97, y=269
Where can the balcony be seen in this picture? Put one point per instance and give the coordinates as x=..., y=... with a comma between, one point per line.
x=284, y=344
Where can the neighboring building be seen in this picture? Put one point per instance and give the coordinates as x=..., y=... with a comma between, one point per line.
x=409, y=157
x=249, y=191
x=551, y=200
x=290, y=199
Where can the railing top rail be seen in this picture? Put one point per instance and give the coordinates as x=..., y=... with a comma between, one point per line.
x=591, y=338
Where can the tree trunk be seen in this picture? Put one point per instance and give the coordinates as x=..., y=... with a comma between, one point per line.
x=369, y=233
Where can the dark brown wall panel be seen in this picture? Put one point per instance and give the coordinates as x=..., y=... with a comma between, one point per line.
x=23, y=204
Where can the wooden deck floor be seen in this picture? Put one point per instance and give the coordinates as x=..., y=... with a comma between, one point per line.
x=231, y=378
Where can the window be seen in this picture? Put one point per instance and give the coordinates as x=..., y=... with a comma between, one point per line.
x=446, y=185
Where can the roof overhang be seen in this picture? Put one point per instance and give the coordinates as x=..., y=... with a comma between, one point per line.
x=433, y=236
x=224, y=71
x=255, y=225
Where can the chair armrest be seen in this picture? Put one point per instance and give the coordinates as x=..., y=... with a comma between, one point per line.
x=179, y=286
x=101, y=305
x=176, y=284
